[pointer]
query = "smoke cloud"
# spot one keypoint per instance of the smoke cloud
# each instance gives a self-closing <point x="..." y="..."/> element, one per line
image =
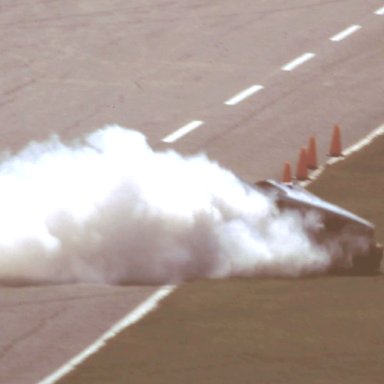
<point x="106" y="208"/>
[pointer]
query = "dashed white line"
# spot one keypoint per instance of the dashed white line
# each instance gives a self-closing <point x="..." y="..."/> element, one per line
<point x="345" y="33"/>
<point x="379" y="11"/>
<point x="131" y="318"/>
<point x="182" y="131"/>
<point x="298" y="61"/>
<point x="244" y="94"/>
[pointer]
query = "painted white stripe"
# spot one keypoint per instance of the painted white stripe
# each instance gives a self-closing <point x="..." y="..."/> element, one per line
<point x="345" y="33"/>
<point x="347" y="152"/>
<point x="380" y="11"/>
<point x="298" y="61"/>
<point x="244" y="94"/>
<point x="182" y="131"/>
<point x="364" y="142"/>
<point x="145" y="307"/>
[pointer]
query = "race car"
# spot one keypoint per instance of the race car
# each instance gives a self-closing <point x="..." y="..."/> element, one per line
<point x="348" y="238"/>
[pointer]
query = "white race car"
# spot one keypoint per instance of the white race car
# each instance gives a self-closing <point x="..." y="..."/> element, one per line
<point x="347" y="237"/>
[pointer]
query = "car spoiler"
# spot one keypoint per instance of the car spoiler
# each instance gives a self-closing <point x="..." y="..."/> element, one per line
<point x="294" y="192"/>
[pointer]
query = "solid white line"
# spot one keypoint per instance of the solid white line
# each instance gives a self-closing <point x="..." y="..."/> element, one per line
<point x="347" y="152"/>
<point x="380" y="11"/>
<point x="298" y="61"/>
<point x="365" y="141"/>
<point x="244" y="94"/>
<point x="139" y="312"/>
<point x="345" y="33"/>
<point x="182" y="131"/>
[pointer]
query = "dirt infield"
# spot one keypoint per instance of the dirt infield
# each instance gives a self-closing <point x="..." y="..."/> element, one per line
<point x="358" y="184"/>
<point x="314" y="330"/>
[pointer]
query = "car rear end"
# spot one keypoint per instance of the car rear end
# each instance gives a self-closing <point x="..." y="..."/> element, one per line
<point x="348" y="238"/>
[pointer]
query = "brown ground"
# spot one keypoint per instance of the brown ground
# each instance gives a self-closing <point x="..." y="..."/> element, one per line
<point x="358" y="184"/>
<point x="315" y="330"/>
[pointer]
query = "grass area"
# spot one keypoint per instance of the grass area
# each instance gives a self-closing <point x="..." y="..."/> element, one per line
<point x="315" y="330"/>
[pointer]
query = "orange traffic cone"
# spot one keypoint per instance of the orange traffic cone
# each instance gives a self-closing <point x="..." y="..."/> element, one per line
<point x="335" y="149"/>
<point x="302" y="166"/>
<point x="312" y="154"/>
<point x="287" y="174"/>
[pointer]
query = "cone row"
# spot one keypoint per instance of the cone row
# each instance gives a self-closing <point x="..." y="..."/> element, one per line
<point x="308" y="157"/>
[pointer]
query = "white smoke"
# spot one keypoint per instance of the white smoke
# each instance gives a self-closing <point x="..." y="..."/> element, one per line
<point x="109" y="209"/>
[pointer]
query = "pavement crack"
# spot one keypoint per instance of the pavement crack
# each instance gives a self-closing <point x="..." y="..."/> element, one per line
<point x="26" y="335"/>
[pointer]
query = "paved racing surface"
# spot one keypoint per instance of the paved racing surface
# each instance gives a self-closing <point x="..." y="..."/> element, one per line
<point x="325" y="329"/>
<point x="70" y="67"/>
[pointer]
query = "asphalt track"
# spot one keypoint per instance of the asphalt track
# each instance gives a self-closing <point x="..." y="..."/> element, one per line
<point x="69" y="68"/>
<point x="325" y="329"/>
